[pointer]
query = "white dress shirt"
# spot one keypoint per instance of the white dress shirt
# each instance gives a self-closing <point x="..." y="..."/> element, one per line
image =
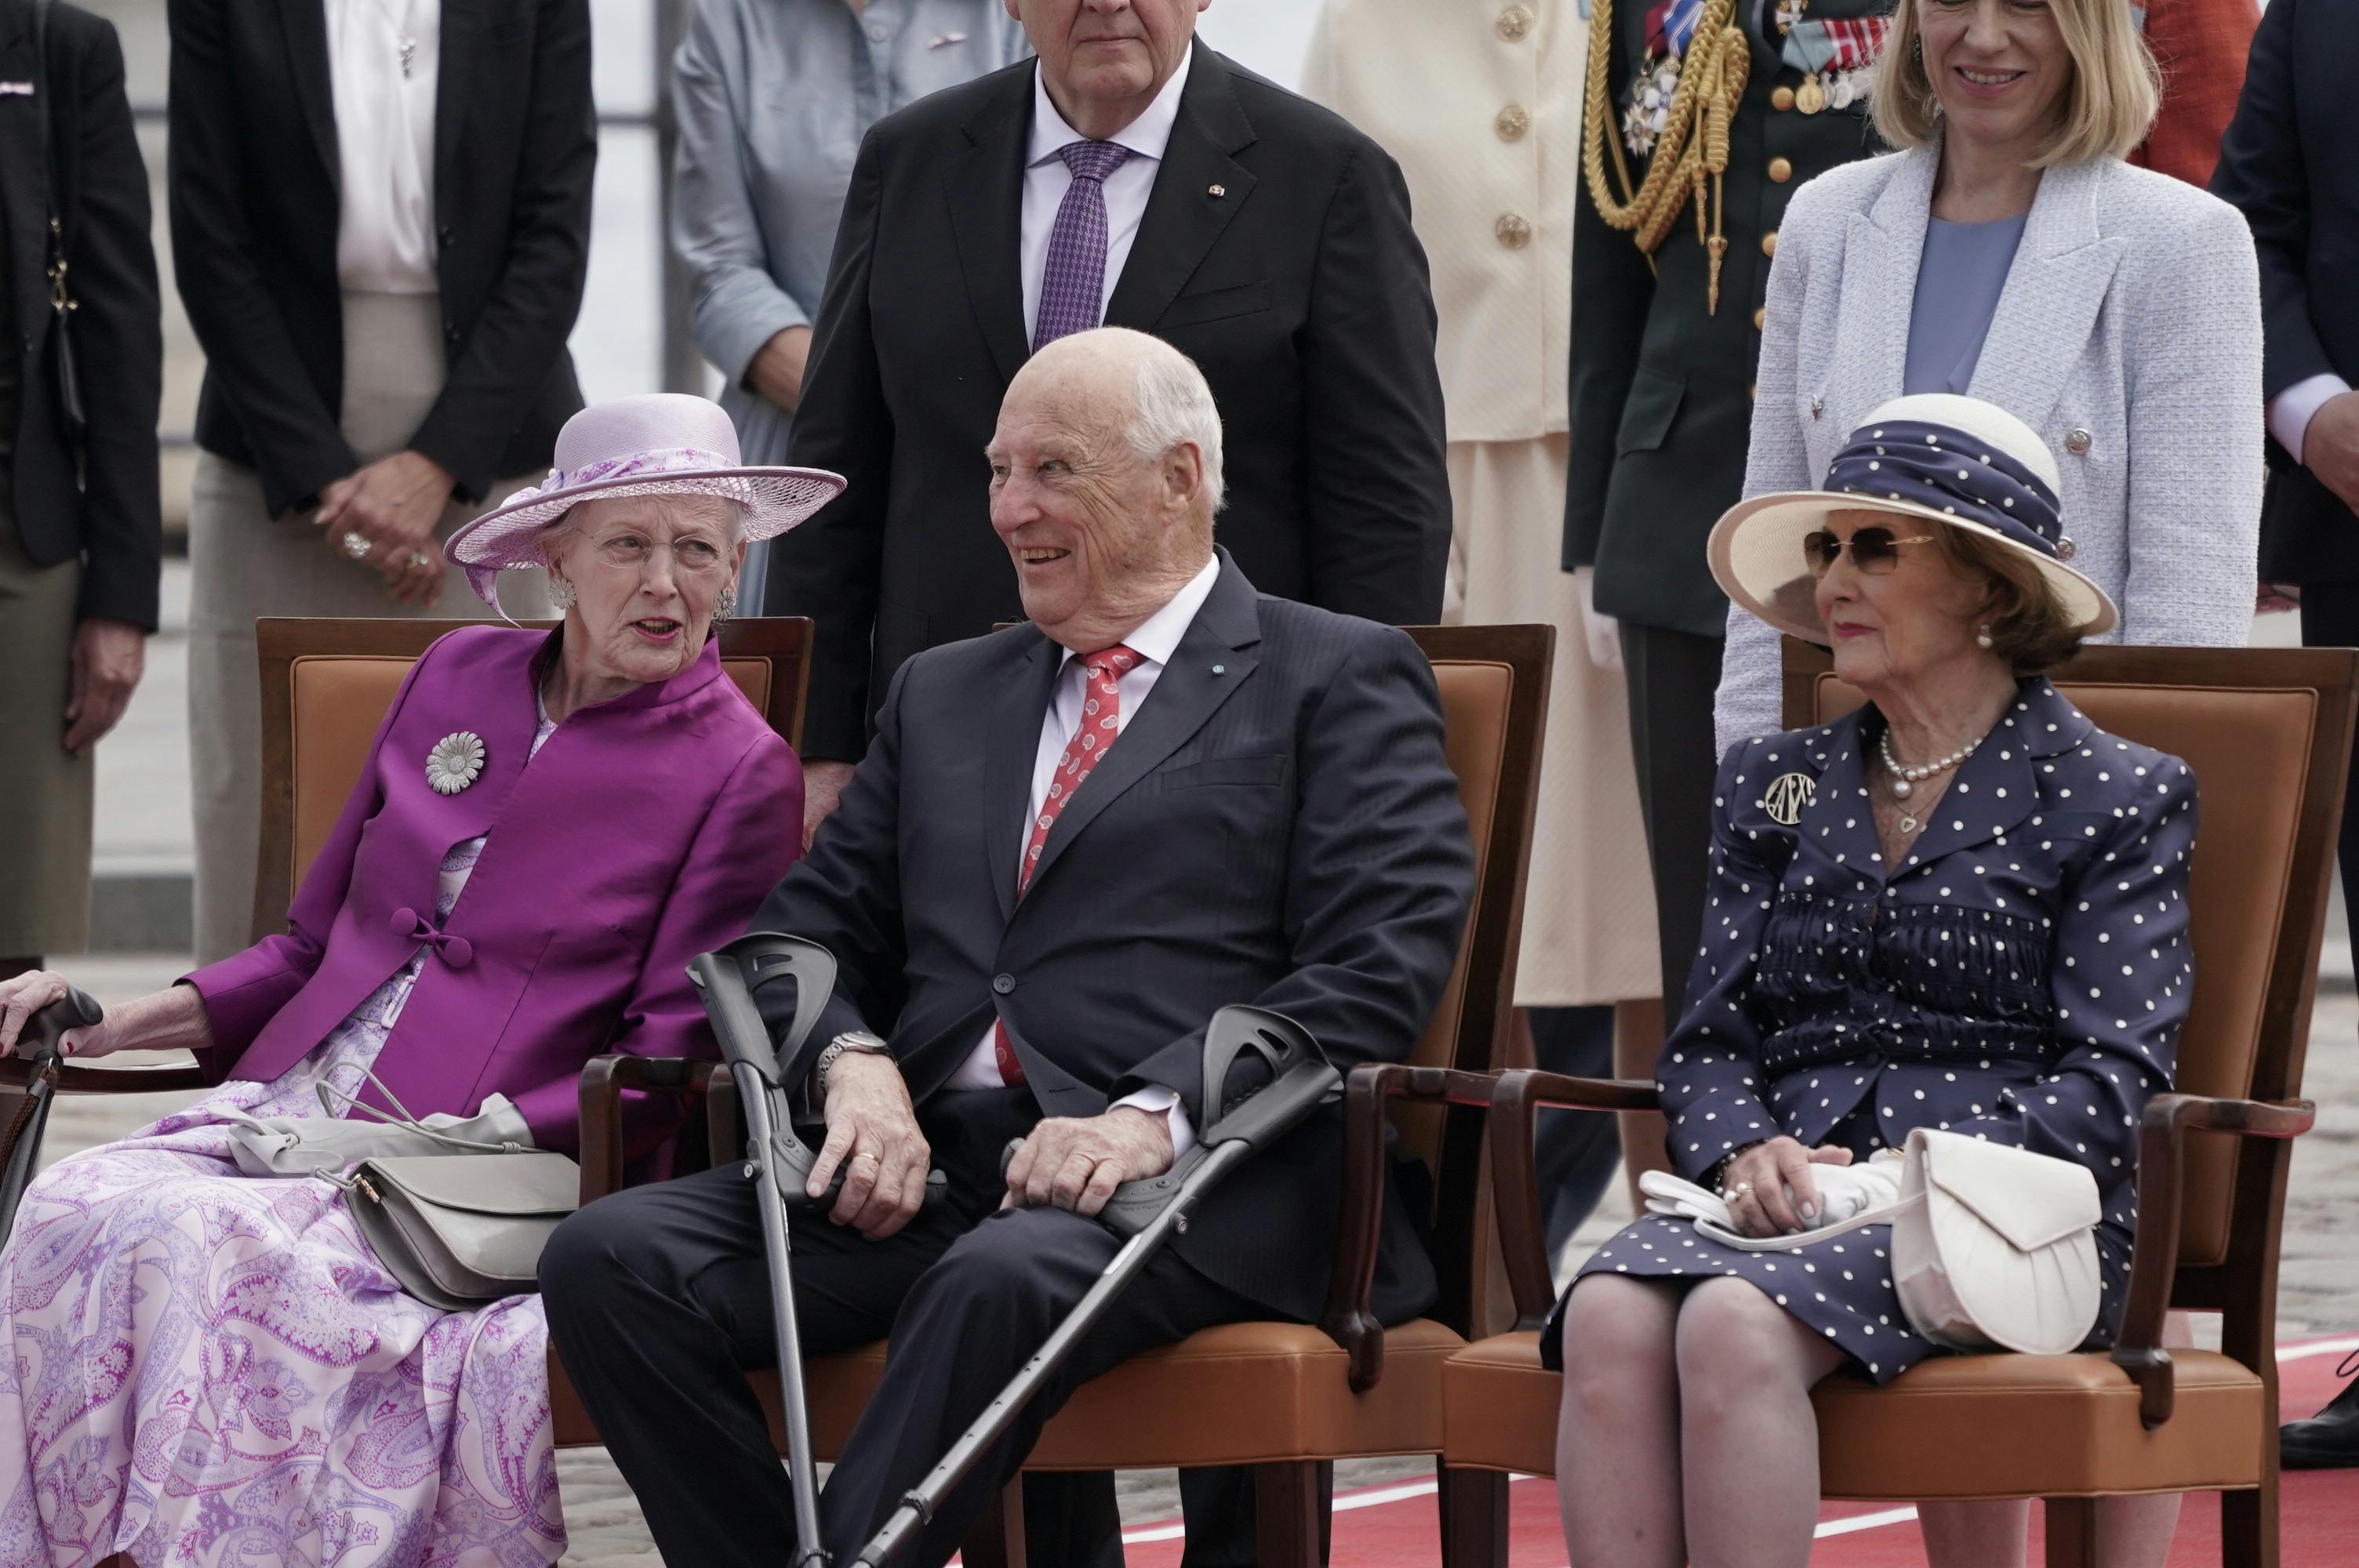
<point x="2291" y="411"/>
<point x="1046" y="179"/>
<point x="1154" y="641"/>
<point x="385" y="141"/>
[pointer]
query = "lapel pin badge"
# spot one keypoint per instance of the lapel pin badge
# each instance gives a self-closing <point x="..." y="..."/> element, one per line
<point x="1216" y="190"/>
<point x="15" y="89"/>
<point x="1220" y="669"/>
<point x="1789" y="796"/>
<point x="456" y="762"/>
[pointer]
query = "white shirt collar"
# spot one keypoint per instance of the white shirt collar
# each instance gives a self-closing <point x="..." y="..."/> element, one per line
<point x="1145" y="136"/>
<point x="1156" y="638"/>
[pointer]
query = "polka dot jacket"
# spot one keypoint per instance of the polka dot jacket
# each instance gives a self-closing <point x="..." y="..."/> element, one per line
<point x="2021" y="975"/>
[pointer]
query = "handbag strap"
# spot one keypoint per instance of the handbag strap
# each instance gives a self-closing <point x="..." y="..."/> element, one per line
<point x="329" y="1094"/>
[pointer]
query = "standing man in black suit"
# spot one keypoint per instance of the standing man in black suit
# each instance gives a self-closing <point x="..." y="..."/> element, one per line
<point x="2290" y="162"/>
<point x="381" y="226"/>
<point x="1032" y="931"/>
<point x="79" y="535"/>
<point x="1133" y="177"/>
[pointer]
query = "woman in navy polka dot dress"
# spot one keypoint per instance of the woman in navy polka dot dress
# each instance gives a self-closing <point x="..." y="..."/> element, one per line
<point x="1962" y="907"/>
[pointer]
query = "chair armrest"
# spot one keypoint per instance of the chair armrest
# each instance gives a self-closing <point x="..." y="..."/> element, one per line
<point x="1515" y="1173"/>
<point x="2154" y="1250"/>
<point x="75" y="1079"/>
<point x="604" y="1079"/>
<point x="1348" y="1320"/>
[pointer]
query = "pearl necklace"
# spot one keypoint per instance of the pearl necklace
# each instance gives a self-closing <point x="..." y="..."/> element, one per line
<point x="1905" y="779"/>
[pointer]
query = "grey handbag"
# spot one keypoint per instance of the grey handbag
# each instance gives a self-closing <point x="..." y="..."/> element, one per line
<point x="462" y="1229"/>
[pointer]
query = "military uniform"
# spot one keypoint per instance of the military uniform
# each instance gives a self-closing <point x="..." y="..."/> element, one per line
<point x="1662" y="373"/>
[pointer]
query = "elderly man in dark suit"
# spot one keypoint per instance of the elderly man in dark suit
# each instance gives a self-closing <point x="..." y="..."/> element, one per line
<point x="1072" y="842"/>
<point x="2291" y="162"/>
<point x="81" y="542"/>
<point x="1134" y="177"/>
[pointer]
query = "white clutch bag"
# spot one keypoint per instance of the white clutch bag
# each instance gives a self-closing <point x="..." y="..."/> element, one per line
<point x="1994" y="1246"/>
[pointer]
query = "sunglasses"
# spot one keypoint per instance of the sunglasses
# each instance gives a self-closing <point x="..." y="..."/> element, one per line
<point x="1873" y="551"/>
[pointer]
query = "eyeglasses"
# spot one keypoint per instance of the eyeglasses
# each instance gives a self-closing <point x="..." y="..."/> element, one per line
<point x="691" y="555"/>
<point x="1873" y="550"/>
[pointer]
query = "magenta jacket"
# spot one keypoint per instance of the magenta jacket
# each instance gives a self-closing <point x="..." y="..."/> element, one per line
<point x="646" y="832"/>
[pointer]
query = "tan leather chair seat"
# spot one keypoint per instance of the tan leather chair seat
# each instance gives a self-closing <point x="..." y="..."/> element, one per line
<point x="1956" y="1426"/>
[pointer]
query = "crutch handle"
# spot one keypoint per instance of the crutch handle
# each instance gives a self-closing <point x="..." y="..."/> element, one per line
<point x="45" y="1029"/>
<point x="796" y="1159"/>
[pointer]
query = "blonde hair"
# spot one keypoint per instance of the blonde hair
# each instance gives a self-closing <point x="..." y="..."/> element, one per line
<point x="2108" y="107"/>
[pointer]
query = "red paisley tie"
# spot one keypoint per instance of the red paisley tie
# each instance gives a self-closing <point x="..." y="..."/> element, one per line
<point x="1092" y="739"/>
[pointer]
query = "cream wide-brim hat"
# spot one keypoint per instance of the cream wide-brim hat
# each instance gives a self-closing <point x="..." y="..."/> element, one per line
<point x="662" y="443"/>
<point x="1959" y="461"/>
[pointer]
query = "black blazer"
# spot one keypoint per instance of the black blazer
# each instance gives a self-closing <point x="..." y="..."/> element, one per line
<point x="1276" y="825"/>
<point x="1299" y="288"/>
<point x="108" y="513"/>
<point x="2287" y="161"/>
<point x="254" y="203"/>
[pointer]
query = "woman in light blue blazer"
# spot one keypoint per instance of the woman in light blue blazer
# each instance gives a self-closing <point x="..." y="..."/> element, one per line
<point x="2008" y="253"/>
<point x="773" y="98"/>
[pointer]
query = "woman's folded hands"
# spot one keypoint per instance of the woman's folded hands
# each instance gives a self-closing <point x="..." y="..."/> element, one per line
<point x="1780" y="1192"/>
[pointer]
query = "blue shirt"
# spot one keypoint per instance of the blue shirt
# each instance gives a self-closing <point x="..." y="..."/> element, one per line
<point x="1959" y="279"/>
<point x="773" y="98"/>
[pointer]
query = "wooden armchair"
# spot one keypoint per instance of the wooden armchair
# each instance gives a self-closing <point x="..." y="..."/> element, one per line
<point x="1282" y="1397"/>
<point x="2268" y="734"/>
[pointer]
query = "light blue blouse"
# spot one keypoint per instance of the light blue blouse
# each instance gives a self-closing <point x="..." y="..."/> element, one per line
<point x="773" y="97"/>
<point x="1958" y="281"/>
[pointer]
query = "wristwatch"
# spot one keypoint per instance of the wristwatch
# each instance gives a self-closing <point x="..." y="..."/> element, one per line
<point x="857" y="1040"/>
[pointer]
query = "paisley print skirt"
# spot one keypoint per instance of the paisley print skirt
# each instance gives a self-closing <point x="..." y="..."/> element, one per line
<point x="208" y="1369"/>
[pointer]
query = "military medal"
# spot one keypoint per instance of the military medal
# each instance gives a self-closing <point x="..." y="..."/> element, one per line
<point x="1655" y="76"/>
<point x="1809" y="97"/>
<point x="1834" y="57"/>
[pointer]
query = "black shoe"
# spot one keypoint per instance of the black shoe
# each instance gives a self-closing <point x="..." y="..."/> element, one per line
<point x="2329" y="1440"/>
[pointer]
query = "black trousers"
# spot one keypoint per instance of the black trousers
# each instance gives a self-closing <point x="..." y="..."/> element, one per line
<point x="659" y="1302"/>
<point x="2330" y="619"/>
<point x="1671" y="678"/>
<point x="1577" y="1151"/>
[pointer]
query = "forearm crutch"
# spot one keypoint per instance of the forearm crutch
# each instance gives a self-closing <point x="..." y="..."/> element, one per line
<point x="776" y="1161"/>
<point x="20" y="1145"/>
<point x="1149" y="1213"/>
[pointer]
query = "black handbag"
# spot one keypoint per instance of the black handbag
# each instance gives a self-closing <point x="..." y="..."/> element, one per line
<point x="62" y="365"/>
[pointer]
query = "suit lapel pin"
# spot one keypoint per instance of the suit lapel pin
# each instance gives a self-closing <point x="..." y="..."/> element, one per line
<point x="1220" y="669"/>
<point x="1216" y="190"/>
<point x="15" y="89"/>
<point x="456" y="762"/>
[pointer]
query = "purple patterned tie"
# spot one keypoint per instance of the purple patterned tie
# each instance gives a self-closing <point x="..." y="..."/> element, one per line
<point x="1072" y="280"/>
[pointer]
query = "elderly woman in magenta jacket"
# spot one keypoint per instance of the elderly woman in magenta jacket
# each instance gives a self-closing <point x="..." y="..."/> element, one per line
<point x="548" y="829"/>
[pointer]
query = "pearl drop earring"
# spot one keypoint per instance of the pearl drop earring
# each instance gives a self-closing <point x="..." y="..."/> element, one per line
<point x="1983" y="637"/>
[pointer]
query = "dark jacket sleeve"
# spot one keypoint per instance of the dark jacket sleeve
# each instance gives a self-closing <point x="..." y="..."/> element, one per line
<point x="828" y="568"/>
<point x="1379" y="872"/>
<point x="845" y="895"/>
<point x="118" y="339"/>
<point x="297" y="439"/>
<point x="505" y="361"/>
<point x="2262" y="175"/>
<point x="1379" y="530"/>
<point x="1613" y="290"/>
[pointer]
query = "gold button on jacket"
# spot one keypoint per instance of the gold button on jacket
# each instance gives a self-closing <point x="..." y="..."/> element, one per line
<point x="1770" y="244"/>
<point x="1513" y="231"/>
<point x="1514" y="23"/>
<point x="1781" y="99"/>
<point x="1781" y="169"/>
<point x="1513" y="122"/>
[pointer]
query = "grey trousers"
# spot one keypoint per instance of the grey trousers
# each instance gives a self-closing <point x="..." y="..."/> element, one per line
<point x="245" y="564"/>
<point x="45" y="794"/>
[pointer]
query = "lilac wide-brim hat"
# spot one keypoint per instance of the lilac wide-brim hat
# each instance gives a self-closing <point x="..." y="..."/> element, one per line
<point x="664" y="443"/>
<point x="1958" y="462"/>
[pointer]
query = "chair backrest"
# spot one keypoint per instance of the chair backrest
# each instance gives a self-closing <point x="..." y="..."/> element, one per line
<point x="326" y="685"/>
<point x="1494" y="684"/>
<point x="2267" y="732"/>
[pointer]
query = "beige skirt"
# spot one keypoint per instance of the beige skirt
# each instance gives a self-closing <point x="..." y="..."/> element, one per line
<point x="45" y="794"/>
<point x="1589" y="911"/>
<point x="245" y="564"/>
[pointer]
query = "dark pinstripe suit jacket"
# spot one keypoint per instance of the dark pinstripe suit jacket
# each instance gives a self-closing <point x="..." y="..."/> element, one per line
<point x="1276" y="825"/>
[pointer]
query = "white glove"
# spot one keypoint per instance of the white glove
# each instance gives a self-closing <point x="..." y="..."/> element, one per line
<point x="1602" y="632"/>
<point x="1845" y="1192"/>
<point x="305" y="1145"/>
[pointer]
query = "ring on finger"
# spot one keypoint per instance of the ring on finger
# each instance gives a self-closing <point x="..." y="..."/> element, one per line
<point x="356" y="546"/>
<point x="416" y="561"/>
<point x="1741" y="1190"/>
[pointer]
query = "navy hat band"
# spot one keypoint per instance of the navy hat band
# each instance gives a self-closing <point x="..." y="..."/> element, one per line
<point x="1953" y="473"/>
